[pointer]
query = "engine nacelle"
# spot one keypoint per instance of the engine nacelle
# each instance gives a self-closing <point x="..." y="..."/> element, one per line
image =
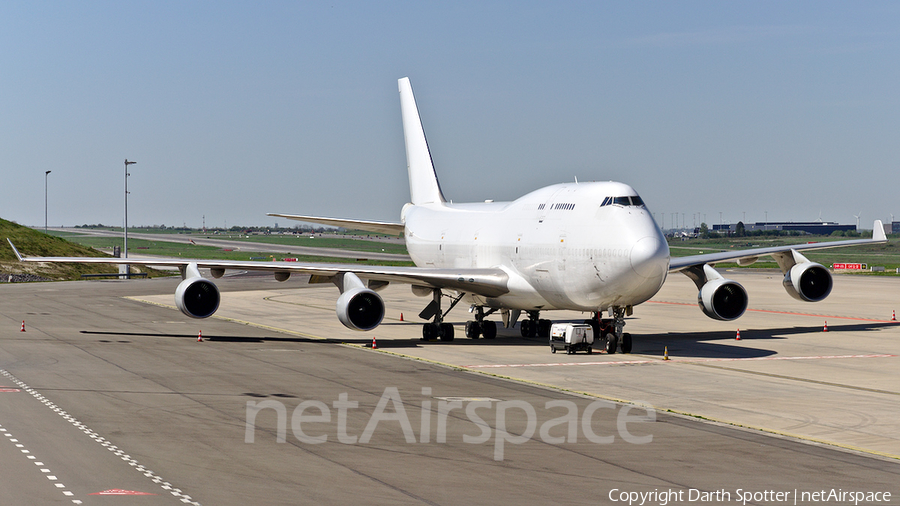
<point x="808" y="281"/>
<point x="360" y="309"/>
<point x="722" y="299"/>
<point x="197" y="297"/>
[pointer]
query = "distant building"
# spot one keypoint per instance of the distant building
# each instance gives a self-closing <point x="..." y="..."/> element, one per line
<point x="808" y="227"/>
<point x="895" y="227"/>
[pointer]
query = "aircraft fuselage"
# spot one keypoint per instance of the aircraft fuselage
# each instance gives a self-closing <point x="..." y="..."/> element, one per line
<point x="576" y="246"/>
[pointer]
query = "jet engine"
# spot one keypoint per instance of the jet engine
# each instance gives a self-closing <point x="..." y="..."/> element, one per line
<point x="197" y="297"/>
<point x="808" y="281"/>
<point x="360" y="309"/>
<point x="722" y="299"/>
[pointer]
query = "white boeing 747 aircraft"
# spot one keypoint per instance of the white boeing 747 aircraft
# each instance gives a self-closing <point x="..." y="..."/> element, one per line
<point x="591" y="247"/>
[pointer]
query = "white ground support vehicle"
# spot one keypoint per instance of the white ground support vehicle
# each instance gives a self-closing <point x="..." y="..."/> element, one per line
<point x="571" y="337"/>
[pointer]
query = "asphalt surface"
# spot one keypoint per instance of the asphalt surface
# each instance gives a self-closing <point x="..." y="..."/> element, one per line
<point x="108" y="393"/>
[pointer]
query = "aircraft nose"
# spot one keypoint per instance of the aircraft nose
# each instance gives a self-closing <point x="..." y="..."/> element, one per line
<point x="649" y="257"/>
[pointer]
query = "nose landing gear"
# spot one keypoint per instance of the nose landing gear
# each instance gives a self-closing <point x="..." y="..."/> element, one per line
<point x="610" y="331"/>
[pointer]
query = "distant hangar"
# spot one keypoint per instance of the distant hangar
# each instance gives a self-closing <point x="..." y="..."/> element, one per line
<point x="809" y="227"/>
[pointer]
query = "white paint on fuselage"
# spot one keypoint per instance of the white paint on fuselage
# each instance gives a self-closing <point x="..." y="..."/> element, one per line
<point x="560" y="247"/>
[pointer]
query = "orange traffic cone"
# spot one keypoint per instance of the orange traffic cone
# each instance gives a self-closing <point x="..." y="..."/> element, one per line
<point x="893" y="316"/>
<point x="374" y="344"/>
<point x="666" y="354"/>
<point x="23" y="326"/>
<point x="401" y="317"/>
<point x="200" y="336"/>
<point x="826" y="326"/>
<point x="738" y="336"/>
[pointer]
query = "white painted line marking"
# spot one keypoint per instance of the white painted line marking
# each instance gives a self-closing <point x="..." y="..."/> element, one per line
<point x="96" y="437"/>
<point x="681" y="361"/>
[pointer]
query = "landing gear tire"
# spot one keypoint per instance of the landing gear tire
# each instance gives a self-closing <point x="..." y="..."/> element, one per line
<point x="527" y="328"/>
<point x="489" y="330"/>
<point x="544" y="328"/>
<point x="473" y="329"/>
<point x="570" y="351"/>
<point x="626" y="343"/>
<point x="446" y="332"/>
<point x="611" y="341"/>
<point x="429" y="332"/>
<point x="590" y="350"/>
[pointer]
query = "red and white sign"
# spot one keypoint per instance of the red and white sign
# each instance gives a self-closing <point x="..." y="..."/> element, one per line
<point x="118" y="491"/>
<point x="288" y="259"/>
<point x="856" y="267"/>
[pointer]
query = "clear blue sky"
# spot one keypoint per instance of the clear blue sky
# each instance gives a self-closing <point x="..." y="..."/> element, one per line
<point x="235" y="109"/>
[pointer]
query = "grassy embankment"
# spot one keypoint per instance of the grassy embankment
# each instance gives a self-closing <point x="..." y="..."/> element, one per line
<point x="34" y="243"/>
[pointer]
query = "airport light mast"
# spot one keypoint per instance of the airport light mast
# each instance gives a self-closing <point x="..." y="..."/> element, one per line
<point x="125" y="247"/>
<point x="46" y="173"/>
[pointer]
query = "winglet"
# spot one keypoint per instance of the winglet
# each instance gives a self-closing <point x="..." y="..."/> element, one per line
<point x="878" y="231"/>
<point x="18" y="255"/>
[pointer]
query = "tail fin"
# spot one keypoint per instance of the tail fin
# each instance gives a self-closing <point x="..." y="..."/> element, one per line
<point x="877" y="231"/>
<point x="423" y="183"/>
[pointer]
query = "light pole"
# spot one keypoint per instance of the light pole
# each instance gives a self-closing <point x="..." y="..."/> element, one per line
<point x="125" y="247"/>
<point x="47" y="173"/>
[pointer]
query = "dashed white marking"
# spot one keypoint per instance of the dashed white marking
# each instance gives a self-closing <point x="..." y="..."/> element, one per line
<point x="44" y="470"/>
<point x="96" y="437"/>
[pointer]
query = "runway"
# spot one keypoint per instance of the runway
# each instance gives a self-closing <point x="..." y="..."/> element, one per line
<point x="109" y="393"/>
<point x="261" y="247"/>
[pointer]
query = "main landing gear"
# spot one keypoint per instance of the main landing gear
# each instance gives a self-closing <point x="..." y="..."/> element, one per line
<point x="480" y="327"/>
<point x="534" y="326"/>
<point x="437" y="329"/>
<point x="609" y="331"/>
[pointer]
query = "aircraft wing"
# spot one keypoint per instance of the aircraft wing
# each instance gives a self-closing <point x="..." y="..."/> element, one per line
<point x="747" y="256"/>
<point x="380" y="227"/>
<point x="486" y="282"/>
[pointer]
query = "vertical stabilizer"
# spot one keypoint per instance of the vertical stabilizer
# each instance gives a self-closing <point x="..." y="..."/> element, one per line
<point x="423" y="183"/>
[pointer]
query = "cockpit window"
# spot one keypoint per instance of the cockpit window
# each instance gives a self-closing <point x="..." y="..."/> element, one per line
<point x="623" y="201"/>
